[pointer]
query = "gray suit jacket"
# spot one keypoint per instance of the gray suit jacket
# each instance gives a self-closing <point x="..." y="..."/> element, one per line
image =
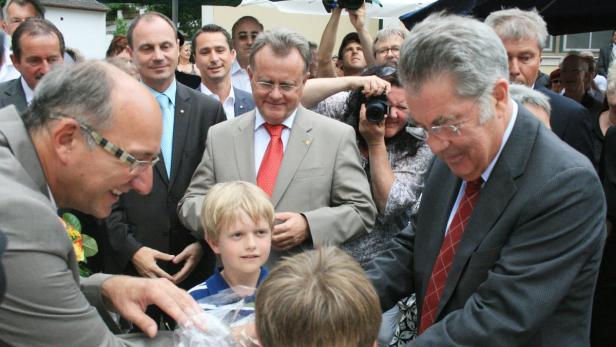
<point x="525" y="269"/>
<point x="320" y="176"/>
<point x="45" y="303"/>
<point x="12" y="93"/>
<point x="243" y="102"/>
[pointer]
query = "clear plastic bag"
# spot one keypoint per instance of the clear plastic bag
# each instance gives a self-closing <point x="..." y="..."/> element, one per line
<point x="229" y="318"/>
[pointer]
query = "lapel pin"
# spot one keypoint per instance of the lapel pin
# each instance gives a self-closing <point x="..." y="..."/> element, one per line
<point x="181" y="110"/>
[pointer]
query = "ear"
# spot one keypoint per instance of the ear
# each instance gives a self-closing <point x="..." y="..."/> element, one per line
<point x="249" y="70"/>
<point x="213" y="244"/>
<point x="130" y="52"/>
<point x="65" y="139"/>
<point x="14" y="60"/>
<point x="501" y="95"/>
<point x="233" y="53"/>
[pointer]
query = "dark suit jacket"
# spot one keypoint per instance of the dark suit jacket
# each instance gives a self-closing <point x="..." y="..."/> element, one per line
<point x="526" y="266"/>
<point x="243" y="102"/>
<point x="152" y="220"/>
<point x="12" y="93"/>
<point x="571" y="122"/>
<point x="605" y="59"/>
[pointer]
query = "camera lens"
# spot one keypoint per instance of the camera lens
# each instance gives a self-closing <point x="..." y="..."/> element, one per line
<point x="376" y="107"/>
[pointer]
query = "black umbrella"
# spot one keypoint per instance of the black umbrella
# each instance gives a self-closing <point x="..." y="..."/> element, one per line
<point x="562" y="16"/>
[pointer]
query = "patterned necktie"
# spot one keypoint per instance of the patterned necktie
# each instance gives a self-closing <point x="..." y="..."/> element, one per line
<point x="268" y="171"/>
<point x="446" y="254"/>
<point x="166" y="143"/>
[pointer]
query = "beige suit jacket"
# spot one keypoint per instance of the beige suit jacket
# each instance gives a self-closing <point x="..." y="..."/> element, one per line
<point x="320" y="176"/>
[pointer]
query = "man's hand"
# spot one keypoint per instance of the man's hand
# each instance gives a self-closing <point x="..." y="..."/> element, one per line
<point x="358" y="17"/>
<point x="191" y="255"/>
<point x="130" y="296"/>
<point x="144" y="261"/>
<point x="292" y="231"/>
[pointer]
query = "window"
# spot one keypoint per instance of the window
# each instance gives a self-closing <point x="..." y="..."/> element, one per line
<point x="586" y="41"/>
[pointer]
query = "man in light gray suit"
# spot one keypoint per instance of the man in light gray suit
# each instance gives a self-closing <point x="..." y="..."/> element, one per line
<point x="214" y="57"/>
<point x="37" y="46"/>
<point x="506" y="245"/>
<point x="320" y="191"/>
<point x="80" y="145"/>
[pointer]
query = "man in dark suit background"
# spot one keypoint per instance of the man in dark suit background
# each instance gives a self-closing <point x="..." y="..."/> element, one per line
<point x="506" y="245"/>
<point x="524" y="34"/>
<point x="145" y="234"/>
<point x="214" y="58"/>
<point x="37" y="46"/>
<point x="606" y="56"/>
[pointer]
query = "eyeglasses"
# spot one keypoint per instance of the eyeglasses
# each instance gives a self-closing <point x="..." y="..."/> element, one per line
<point x="269" y="86"/>
<point x="441" y="131"/>
<point x="136" y="166"/>
<point x="386" y="50"/>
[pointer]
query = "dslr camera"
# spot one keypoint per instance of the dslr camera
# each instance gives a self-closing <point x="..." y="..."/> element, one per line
<point x="376" y="108"/>
<point x="348" y="4"/>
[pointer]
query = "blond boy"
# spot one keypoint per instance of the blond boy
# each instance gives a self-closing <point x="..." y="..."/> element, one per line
<point x="317" y="298"/>
<point x="237" y="218"/>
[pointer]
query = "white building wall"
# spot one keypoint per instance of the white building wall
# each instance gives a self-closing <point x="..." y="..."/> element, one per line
<point x="83" y="30"/>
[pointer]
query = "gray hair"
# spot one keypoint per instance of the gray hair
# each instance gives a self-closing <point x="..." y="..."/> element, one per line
<point x="611" y="79"/>
<point x="525" y="95"/>
<point x="81" y="91"/>
<point x="386" y="33"/>
<point x="515" y="24"/>
<point x="281" y="41"/>
<point x="38" y="7"/>
<point x="463" y="48"/>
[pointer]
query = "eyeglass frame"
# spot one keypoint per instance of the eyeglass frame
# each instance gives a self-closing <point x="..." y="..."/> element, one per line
<point x="136" y="166"/>
<point x="283" y="87"/>
<point x="385" y="50"/>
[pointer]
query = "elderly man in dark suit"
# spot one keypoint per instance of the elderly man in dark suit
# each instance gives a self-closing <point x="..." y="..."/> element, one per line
<point x="214" y="58"/>
<point x="507" y="241"/>
<point x="37" y="46"/>
<point x="606" y="56"/>
<point x="145" y="234"/>
<point x="524" y="34"/>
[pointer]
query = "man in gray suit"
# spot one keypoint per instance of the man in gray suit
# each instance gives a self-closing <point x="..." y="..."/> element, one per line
<point x="214" y="57"/>
<point x="316" y="183"/>
<point x="506" y="245"/>
<point x="81" y="144"/>
<point x="37" y="46"/>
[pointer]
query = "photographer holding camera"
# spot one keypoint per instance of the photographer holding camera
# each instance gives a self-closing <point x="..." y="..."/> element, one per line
<point x="395" y="161"/>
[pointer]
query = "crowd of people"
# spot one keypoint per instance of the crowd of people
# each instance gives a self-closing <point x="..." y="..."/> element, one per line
<point x="422" y="188"/>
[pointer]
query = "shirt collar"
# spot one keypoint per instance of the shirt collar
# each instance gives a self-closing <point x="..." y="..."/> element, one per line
<point x="514" y="114"/>
<point x="205" y="90"/>
<point x="169" y="92"/>
<point x="28" y="92"/>
<point x="259" y="121"/>
<point x="235" y="67"/>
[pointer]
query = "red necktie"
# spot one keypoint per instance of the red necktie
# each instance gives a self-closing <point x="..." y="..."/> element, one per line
<point x="268" y="171"/>
<point x="447" y="253"/>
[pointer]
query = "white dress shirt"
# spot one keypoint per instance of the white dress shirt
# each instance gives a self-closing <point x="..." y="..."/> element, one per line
<point x="28" y="92"/>
<point x="228" y="105"/>
<point x="240" y="78"/>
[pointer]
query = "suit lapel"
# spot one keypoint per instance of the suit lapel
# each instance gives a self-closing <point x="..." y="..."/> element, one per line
<point x="297" y="147"/>
<point x="181" y="122"/>
<point x="16" y="95"/>
<point x="494" y="197"/>
<point x="244" y="143"/>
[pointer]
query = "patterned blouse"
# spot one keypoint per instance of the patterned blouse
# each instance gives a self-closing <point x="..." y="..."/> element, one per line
<point x="409" y="172"/>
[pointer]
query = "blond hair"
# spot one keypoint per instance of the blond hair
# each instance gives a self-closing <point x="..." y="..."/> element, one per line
<point x="317" y="298"/>
<point x="226" y="203"/>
